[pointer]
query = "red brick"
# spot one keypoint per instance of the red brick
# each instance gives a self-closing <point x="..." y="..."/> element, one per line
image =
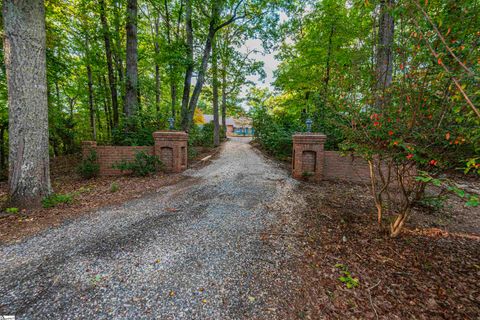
<point x="309" y="157"/>
<point x="173" y="144"/>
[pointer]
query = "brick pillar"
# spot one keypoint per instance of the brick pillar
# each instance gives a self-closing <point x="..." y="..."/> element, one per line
<point x="308" y="155"/>
<point x="171" y="148"/>
<point x="87" y="147"/>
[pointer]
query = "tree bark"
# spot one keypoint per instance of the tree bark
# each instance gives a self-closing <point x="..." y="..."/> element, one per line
<point x="2" y="147"/>
<point x="224" y="101"/>
<point x="90" y="103"/>
<point x="189" y="71"/>
<point x="131" y="83"/>
<point x="216" y="125"/>
<point x="157" y="68"/>
<point x="326" y="80"/>
<point x="25" y="61"/>
<point x="90" y="90"/>
<point x="173" y="93"/>
<point x="108" y="53"/>
<point x="384" y="65"/>
<point x="118" y="50"/>
<point x="106" y="105"/>
<point x="173" y="84"/>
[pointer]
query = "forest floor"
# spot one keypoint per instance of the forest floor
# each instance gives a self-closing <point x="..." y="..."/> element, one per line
<point x="87" y="195"/>
<point x="239" y="239"/>
<point x="430" y="271"/>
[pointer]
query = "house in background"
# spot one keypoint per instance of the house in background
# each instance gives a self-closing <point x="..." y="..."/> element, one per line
<point x="243" y="126"/>
<point x="235" y="126"/>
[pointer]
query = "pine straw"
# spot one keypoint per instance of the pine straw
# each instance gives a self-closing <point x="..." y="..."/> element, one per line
<point x="426" y="273"/>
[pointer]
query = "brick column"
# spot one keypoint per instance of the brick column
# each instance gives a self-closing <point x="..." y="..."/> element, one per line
<point x="171" y="148"/>
<point x="308" y="155"/>
<point x="87" y="147"/>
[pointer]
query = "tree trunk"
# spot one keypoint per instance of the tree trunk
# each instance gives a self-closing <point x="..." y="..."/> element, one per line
<point x="216" y="125"/>
<point x="157" y="68"/>
<point x="203" y="69"/>
<point x="25" y="61"/>
<point x="108" y="52"/>
<point x="201" y="76"/>
<point x="212" y="30"/>
<point x="189" y="71"/>
<point x="384" y="67"/>
<point x="105" y="102"/>
<point x="327" y="67"/>
<point x="173" y="84"/>
<point x="131" y="83"/>
<point x="224" y="100"/>
<point x="90" y="90"/>
<point x="2" y="148"/>
<point x="173" y="93"/>
<point x="118" y="49"/>
<point x="90" y="103"/>
<point x="107" y="105"/>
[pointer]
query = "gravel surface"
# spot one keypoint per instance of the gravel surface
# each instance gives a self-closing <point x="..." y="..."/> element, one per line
<point x="193" y="250"/>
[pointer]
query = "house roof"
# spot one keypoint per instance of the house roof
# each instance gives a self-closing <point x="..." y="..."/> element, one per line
<point x="209" y="118"/>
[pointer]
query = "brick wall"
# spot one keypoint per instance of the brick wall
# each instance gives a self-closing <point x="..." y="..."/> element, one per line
<point x="346" y="168"/>
<point x="170" y="147"/>
<point x="309" y="161"/>
<point x="110" y="155"/>
<point x="310" y="158"/>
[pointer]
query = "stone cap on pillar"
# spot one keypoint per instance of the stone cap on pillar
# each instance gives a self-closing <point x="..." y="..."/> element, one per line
<point x="309" y="137"/>
<point x="170" y="135"/>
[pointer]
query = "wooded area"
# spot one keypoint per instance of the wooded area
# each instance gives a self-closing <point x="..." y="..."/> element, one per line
<point x="114" y="72"/>
<point x="396" y="83"/>
<point x="125" y="201"/>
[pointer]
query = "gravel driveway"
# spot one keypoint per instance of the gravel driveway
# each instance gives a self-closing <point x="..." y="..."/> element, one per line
<point x="193" y="250"/>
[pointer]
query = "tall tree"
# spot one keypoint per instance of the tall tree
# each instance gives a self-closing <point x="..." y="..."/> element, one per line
<point x="118" y="52"/>
<point x="215" y="84"/>
<point x="189" y="70"/>
<point x="131" y="83"/>
<point x="214" y="25"/>
<point x="90" y="100"/>
<point x="108" y="53"/>
<point x="25" y="61"/>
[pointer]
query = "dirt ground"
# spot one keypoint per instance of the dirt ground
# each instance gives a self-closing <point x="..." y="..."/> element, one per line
<point x="426" y="273"/>
<point x="430" y="271"/>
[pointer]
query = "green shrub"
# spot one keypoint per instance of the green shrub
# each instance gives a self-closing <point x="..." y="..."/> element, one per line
<point x="137" y="130"/>
<point x="143" y="165"/>
<point x="12" y="210"/>
<point x="114" y="187"/>
<point x="54" y="199"/>
<point x="202" y="136"/>
<point x="89" y="167"/>
<point x="274" y="134"/>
